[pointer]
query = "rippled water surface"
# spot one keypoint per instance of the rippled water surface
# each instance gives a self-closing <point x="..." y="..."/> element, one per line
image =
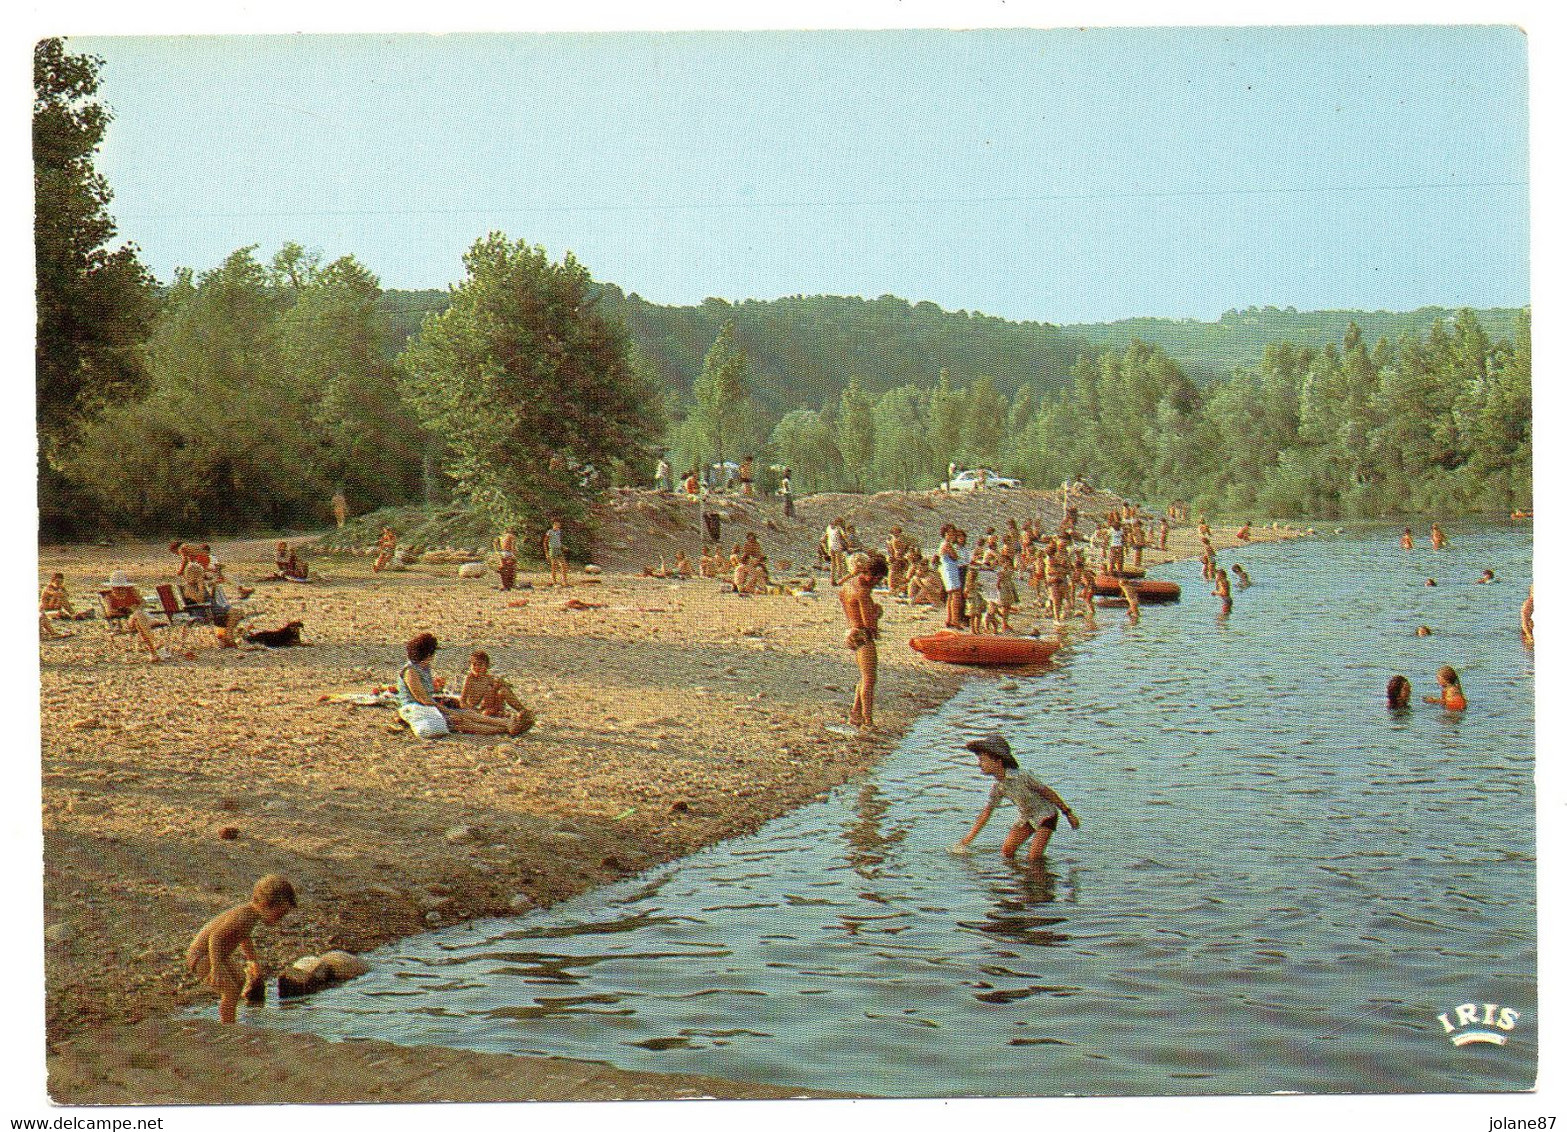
<point x="1278" y="884"/>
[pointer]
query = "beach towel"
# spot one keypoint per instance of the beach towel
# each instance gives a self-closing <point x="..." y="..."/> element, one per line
<point x="423" y="720"/>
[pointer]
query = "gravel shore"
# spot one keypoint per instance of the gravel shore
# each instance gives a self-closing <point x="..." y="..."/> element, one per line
<point x="671" y="716"/>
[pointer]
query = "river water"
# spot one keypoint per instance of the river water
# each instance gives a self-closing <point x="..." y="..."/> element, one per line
<point x="1278" y="885"/>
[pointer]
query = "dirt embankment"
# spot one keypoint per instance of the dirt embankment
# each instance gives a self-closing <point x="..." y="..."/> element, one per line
<point x="671" y="715"/>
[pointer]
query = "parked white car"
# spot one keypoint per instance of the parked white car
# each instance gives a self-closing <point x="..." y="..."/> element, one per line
<point x="974" y="478"/>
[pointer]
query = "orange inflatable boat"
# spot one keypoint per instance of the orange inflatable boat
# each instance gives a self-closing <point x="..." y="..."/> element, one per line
<point x="974" y="648"/>
<point x="1148" y="589"/>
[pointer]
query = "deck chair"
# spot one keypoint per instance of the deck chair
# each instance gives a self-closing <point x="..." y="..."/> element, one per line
<point x="118" y="626"/>
<point x="174" y="613"/>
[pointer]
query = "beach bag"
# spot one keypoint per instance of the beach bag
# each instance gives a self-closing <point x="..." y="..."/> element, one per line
<point x="424" y="720"/>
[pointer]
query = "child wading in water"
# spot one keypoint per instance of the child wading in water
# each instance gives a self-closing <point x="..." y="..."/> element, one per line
<point x="209" y="953"/>
<point x="1039" y="807"/>
<point x="1452" y="697"/>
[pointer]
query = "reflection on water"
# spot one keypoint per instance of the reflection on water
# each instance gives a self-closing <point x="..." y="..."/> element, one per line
<point x="1278" y="884"/>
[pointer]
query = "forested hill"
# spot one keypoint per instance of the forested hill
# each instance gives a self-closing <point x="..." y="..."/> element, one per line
<point x="1209" y="350"/>
<point x="804" y="348"/>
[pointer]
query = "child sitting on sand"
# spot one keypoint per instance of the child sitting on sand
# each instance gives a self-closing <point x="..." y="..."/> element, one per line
<point x="208" y="954"/>
<point x="709" y="565"/>
<point x="289" y="567"/>
<point x="490" y="694"/>
<point x="1039" y="807"/>
<point x="1452" y="697"/>
<point x="683" y="565"/>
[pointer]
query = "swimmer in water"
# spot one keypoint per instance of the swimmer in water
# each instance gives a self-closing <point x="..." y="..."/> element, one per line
<point x="1407" y="540"/>
<point x="1452" y="697"/>
<point x="1399" y="690"/>
<point x="1430" y="581"/>
<point x="1242" y="579"/>
<point x="1423" y="631"/>
<point x="1438" y="537"/>
<point x="1486" y="578"/>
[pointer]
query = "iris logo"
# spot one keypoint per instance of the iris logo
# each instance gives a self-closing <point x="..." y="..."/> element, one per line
<point x="1479" y="1023"/>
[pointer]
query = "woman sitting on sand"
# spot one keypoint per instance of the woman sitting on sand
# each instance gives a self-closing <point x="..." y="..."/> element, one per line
<point x="417" y="684"/>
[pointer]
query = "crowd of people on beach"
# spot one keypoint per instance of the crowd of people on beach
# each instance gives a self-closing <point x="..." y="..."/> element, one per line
<point x="980" y="583"/>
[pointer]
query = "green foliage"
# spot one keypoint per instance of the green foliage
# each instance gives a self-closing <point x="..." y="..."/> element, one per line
<point x="95" y="303"/>
<point x="856" y="433"/>
<point x="529" y="385"/>
<point x="722" y="395"/>
<point x="268" y="387"/>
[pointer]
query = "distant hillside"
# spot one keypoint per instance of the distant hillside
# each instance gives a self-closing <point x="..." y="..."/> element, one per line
<point x="1207" y="350"/>
<point x="804" y="348"/>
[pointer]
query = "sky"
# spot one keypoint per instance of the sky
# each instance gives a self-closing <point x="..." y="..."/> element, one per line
<point x="1062" y="175"/>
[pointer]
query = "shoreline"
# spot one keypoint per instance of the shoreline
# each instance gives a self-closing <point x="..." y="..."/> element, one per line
<point x="673" y="718"/>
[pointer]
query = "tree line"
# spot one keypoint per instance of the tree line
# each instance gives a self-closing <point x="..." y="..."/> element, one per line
<point x="1439" y="422"/>
<point x="242" y="397"/>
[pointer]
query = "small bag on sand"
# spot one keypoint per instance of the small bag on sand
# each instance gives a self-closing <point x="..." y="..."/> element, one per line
<point x="425" y="721"/>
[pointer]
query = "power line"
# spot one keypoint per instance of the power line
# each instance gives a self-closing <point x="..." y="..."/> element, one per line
<point x="892" y="202"/>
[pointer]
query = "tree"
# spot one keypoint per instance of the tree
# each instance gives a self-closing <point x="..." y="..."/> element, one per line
<point x="529" y="384"/>
<point x="856" y="432"/>
<point x="333" y="341"/>
<point x="902" y="457"/>
<point x="95" y="304"/>
<point x="722" y="391"/>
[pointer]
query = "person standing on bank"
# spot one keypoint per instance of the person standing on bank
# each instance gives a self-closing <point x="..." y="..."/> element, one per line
<point x="1039" y="807"/>
<point x="786" y="493"/>
<point x="866" y="572"/>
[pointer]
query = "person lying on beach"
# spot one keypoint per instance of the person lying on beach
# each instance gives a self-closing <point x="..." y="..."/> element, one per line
<point x="1486" y="578"/>
<point x="123" y="602"/>
<point x="209" y="954"/>
<point x="490" y="694"/>
<point x="416" y="684"/>
<point x="1399" y="690"/>
<point x="1039" y="807"/>
<point x="1242" y="579"/>
<point x="1452" y="697"/>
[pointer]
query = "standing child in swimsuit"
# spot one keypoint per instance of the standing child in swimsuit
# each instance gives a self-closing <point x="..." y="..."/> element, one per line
<point x="1039" y="807"/>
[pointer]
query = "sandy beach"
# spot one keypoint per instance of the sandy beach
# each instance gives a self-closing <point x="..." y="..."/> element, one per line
<point x="671" y="716"/>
